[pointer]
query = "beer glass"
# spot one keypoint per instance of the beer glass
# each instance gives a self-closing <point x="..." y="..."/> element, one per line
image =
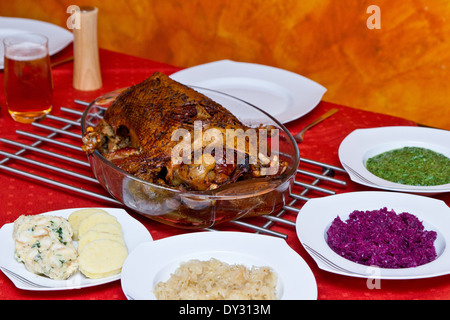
<point x="28" y="79"/>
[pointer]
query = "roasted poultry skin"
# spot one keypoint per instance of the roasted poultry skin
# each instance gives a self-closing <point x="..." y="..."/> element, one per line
<point x="136" y="135"/>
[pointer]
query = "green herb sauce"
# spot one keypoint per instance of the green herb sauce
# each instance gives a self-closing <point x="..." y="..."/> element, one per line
<point x="411" y="166"/>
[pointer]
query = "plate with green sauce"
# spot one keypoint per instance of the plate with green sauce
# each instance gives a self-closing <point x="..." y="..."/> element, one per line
<point x="408" y="159"/>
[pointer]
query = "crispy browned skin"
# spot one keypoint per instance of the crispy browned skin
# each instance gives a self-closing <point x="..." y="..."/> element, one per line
<point x="155" y="107"/>
<point x="138" y="126"/>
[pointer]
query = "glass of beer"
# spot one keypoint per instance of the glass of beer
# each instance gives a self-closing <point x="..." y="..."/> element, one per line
<point x="28" y="81"/>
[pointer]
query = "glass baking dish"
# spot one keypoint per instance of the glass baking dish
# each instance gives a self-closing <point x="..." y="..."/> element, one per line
<point x="199" y="209"/>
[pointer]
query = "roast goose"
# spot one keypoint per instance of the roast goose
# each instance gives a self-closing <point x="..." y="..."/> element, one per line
<point x="136" y="135"/>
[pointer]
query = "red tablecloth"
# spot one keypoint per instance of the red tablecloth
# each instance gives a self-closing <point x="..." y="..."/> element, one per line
<point x="21" y="195"/>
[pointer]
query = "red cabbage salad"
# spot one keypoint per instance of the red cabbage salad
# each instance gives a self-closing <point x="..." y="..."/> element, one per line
<point x="382" y="238"/>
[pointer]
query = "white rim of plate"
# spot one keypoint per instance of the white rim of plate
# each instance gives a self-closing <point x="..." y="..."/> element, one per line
<point x="22" y="25"/>
<point x="283" y="94"/>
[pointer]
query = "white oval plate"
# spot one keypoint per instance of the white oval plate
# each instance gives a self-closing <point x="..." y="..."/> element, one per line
<point x="155" y="261"/>
<point x="284" y="95"/>
<point x="316" y="216"/>
<point x="58" y="37"/>
<point x="133" y="231"/>
<point x="363" y="144"/>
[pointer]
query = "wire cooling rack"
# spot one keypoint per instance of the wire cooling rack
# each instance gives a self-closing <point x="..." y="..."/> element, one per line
<point x="51" y="153"/>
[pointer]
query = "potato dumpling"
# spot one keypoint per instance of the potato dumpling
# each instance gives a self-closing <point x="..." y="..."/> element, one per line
<point x="76" y="217"/>
<point x="102" y="258"/>
<point x="101" y="245"/>
<point x="94" y="219"/>
<point x="93" y="235"/>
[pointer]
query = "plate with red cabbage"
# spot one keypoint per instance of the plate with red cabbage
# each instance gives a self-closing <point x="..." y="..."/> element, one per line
<point x="377" y="234"/>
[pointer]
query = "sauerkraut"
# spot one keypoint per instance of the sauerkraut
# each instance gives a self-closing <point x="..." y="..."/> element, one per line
<point x="217" y="280"/>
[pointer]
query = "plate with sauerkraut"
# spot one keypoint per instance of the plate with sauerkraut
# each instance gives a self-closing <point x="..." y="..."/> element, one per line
<point x="220" y="265"/>
<point x="377" y="234"/>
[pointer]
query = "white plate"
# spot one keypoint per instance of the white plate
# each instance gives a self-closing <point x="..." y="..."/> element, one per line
<point x="363" y="144"/>
<point x="283" y="94"/>
<point x="133" y="231"/>
<point x="317" y="215"/>
<point x="58" y="37"/>
<point x="153" y="262"/>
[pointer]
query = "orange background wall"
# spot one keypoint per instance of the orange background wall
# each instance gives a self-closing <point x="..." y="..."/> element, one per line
<point x="401" y="69"/>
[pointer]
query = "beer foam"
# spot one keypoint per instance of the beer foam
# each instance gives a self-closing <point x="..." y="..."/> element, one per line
<point x="26" y="51"/>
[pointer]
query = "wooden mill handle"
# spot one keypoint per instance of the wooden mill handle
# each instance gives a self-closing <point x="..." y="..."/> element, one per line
<point x="86" y="72"/>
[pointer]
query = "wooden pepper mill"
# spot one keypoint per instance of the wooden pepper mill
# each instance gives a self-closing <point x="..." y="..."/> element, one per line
<point x="86" y="70"/>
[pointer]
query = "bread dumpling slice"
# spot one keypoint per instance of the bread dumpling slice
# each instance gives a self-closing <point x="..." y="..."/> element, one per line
<point x="102" y="258"/>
